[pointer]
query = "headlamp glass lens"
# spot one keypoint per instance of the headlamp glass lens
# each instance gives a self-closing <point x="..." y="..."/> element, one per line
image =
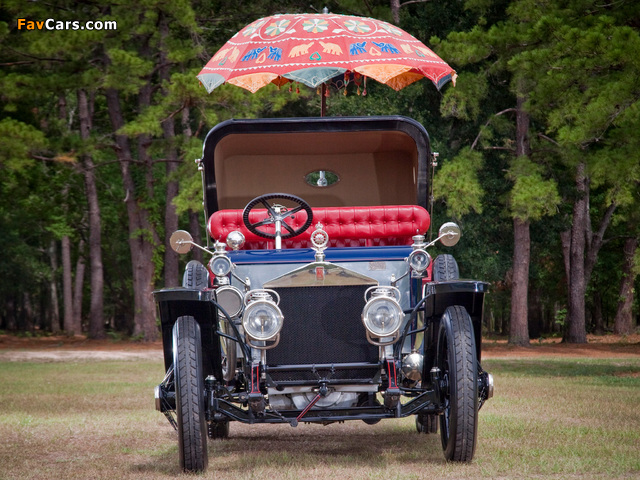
<point x="382" y="317"/>
<point x="220" y="266"/>
<point x="262" y="321"/>
<point x="419" y="260"/>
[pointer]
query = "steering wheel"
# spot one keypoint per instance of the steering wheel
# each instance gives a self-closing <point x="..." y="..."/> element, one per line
<point x="277" y="215"/>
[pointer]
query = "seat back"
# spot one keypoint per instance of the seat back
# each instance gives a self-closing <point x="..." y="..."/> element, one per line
<point x="346" y="226"/>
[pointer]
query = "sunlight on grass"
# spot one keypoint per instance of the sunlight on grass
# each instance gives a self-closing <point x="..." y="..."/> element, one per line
<point x="549" y="418"/>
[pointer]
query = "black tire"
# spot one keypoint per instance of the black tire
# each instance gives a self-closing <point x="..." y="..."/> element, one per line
<point x="427" y="423"/>
<point x="195" y="276"/>
<point x="189" y="384"/>
<point x="445" y="268"/>
<point x="456" y="359"/>
<point x="219" y="430"/>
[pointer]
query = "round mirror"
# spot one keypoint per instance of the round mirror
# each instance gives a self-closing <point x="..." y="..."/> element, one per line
<point x="181" y="241"/>
<point x="449" y="234"/>
<point x="321" y="178"/>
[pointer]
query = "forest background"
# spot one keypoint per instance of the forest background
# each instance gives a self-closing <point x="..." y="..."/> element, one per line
<point x="538" y="146"/>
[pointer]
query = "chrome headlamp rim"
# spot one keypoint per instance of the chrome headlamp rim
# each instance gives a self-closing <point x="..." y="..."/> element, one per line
<point x="218" y="259"/>
<point x="414" y="264"/>
<point x="246" y="317"/>
<point x="256" y="299"/>
<point x="385" y="331"/>
<point x="226" y="290"/>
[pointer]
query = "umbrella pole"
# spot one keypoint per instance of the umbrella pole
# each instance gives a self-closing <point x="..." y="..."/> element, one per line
<point x="323" y="101"/>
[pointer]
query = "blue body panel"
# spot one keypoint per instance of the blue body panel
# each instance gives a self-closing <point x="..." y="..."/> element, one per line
<point x="307" y="255"/>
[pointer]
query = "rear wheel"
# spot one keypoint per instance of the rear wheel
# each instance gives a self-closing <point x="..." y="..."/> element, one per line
<point x="456" y="359"/>
<point x="195" y="276"/>
<point x="189" y="384"/>
<point x="219" y="430"/>
<point x="445" y="268"/>
<point x="427" y="423"/>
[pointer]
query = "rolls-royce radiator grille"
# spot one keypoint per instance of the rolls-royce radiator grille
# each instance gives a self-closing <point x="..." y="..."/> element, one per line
<point x="322" y="325"/>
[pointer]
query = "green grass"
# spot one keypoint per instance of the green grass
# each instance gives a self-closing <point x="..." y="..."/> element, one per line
<point x="549" y="419"/>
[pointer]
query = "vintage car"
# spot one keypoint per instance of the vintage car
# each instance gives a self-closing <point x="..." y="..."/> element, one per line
<point x="319" y="302"/>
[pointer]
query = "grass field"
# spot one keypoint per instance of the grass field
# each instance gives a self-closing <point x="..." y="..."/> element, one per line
<point x="550" y="418"/>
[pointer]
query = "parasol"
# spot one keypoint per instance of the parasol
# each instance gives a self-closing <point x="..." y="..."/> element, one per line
<point x="314" y="49"/>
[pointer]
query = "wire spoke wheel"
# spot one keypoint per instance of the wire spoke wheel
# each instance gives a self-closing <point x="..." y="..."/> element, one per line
<point x="456" y="359"/>
<point x="228" y="350"/>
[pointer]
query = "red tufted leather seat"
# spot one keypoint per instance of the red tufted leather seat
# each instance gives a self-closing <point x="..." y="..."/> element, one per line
<point x="346" y="226"/>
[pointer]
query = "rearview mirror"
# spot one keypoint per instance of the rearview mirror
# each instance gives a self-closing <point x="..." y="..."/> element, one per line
<point x="181" y="241"/>
<point x="449" y="234"/>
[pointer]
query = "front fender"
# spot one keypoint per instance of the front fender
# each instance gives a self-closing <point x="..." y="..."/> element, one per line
<point x="440" y="295"/>
<point x="177" y="302"/>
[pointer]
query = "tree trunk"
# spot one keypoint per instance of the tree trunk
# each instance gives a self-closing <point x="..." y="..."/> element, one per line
<point x="26" y="316"/>
<point x="54" y="324"/>
<point x="171" y="260"/>
<point x="142" y="237"/>
<point x="565" y="240"/>
<point x="595" y="240"/>
<point x="596" y="315"/>
<point x="78" y="288"/>
<point x="194" y="228"/>
<point x="96" y="315"/>
<point x="194" y="217"/>
<point x="519" y="330"/>
<point x="623" y="323"/>
<point x="395" y="11"/>
<point x="576" y="330"/>
<point x="67" y="287"/>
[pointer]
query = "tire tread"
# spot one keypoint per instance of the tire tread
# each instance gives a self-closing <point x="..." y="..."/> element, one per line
<point x="459" y="444"/>
<point x="445" y="268"/>
<point x="195" y="276"/>
<point x="189" y="388"/>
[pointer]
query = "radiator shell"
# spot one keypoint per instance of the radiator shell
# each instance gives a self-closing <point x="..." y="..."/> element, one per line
<point x="322" y="325"/>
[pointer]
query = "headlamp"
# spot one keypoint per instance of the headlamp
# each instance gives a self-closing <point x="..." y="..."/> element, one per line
<point x="419" y="261"/>
<point x="230" y="298"/>
<point x="220" y="265"/>
<point x="382" y="315"/>
<point x="262" y="319"/>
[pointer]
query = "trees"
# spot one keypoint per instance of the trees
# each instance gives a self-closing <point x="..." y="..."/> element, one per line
<point x="100" y="130"/>
<point x="563" y="62"/>
<point x="586" y="90"/>
<point x="492" y="53"/>
<point x="110" y="97"/>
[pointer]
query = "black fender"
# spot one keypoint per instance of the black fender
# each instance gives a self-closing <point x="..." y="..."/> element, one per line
<point x="440" y="295"/>
<point x="199" y="304"/>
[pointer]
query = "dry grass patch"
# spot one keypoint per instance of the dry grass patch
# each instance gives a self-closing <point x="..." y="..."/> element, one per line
<point x="551" y="419"/>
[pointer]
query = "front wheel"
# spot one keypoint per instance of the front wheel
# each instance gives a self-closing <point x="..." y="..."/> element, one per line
<point x="189" y="384"/>
<point x="456" y="359"/>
